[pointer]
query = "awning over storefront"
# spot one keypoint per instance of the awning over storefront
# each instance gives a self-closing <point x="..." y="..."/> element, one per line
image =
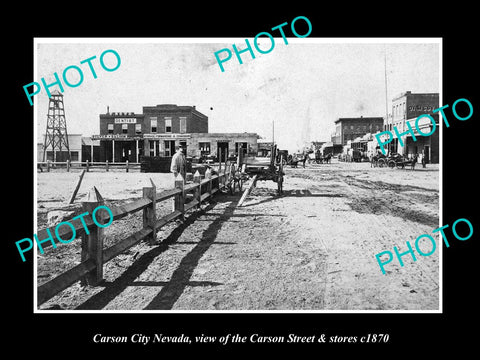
<point x="121" y="137"/>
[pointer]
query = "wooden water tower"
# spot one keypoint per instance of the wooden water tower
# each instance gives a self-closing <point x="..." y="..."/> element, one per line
<point x="56" y="137"/>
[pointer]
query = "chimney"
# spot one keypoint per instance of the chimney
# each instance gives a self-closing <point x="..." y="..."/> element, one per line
<point x="108" y="109"/>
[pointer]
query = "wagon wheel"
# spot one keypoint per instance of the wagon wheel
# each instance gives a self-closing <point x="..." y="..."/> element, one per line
<point x="391" y="164"/>
<point x="381" y="162"/>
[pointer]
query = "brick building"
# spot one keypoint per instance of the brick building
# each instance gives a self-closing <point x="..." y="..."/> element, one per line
<point x="156" y="132"/>
<point x="166" y="126"/>
<point x="406" y="107"/>
<point x="350" y="128"/>
<point x="120" y="137"/>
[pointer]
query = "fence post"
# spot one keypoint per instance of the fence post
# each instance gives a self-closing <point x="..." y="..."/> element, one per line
<point x="179" y="201"/>
<point x="92" y="244"/>
<point x="149" y="213"/>
<point x="68" y="165"/>
<point x="88" y="166"/>
<point x="48" y="165"/>
<point x="127" y="169"/>
<point x="106" y="165"/>
<point x="77" y="187"/>
<point x="197" y="179"/>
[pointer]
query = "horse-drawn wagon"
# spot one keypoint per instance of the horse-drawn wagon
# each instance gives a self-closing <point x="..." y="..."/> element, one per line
<point x="393" y="160"/>
<point x="256" y="169"/>
<point x="400" y="162"/>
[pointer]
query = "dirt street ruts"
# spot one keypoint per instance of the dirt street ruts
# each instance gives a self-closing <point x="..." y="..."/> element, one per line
<point x="313" y="248"/>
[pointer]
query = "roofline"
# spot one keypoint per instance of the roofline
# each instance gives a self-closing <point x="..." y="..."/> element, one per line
<point x="173" y="107"/>
<point x="409" y="93"/>
<point x="125" y="114"/>
<point x="359" y="118"/>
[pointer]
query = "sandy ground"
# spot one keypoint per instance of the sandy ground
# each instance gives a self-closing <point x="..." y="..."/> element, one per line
<point x="313" y="248"/>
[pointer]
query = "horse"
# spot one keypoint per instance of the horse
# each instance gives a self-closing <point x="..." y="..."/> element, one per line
<point x="413" y="162"/>
<point x="328" y="158"/>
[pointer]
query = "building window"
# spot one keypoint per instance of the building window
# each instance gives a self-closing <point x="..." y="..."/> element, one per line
<point x="183" y="125"/>
<point x="110" y="128"/>
<point x="124" y="128"/>
<point x="138" y="129"/>
<point x="74" y="155"/>
<point x="153" y="124"/>
<point x="204" y="148"/>
<point x="168" y="125"/>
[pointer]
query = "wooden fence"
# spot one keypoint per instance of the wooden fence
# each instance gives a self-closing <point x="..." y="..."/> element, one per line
<point x="87" y="165"/>
<point x="93" y="255"/>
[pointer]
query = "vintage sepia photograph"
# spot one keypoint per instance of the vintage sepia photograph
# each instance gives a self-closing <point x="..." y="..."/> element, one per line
<point x="168" y="180"/>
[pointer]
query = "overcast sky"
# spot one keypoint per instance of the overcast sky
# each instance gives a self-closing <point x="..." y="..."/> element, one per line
<point x="303" y="86"/>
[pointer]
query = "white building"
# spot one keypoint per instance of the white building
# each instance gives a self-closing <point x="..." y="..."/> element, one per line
<point x="74" y="143"/>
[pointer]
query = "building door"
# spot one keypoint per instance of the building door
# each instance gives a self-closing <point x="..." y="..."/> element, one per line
<point x="140" y="151"/>
<point x="222" y="151"/>
<point x="126" y="151"/>
<point x="169" y="147"/>
<point x="241" y="147"/>
<point x="427" y="154"/>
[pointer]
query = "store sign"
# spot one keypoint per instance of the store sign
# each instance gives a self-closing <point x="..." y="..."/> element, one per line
<point x="125" y="120"/>
<point x="424" y="108"/>
<point x="115" y="137"/>
<point x="166" y="136"/>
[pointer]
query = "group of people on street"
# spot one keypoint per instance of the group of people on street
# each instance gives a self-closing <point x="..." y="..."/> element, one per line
<point x="179" y="161"/>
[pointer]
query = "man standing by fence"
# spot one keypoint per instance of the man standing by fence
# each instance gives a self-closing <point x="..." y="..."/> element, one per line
<point x="178" y="166"/>
<point x="179" y="163"/>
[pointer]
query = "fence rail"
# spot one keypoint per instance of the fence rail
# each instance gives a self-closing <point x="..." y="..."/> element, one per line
<point x="48" y="165"/>
<point x="94" y="256"/>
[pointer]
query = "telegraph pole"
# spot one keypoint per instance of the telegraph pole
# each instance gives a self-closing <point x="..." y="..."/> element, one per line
<point x="386" y="95"/>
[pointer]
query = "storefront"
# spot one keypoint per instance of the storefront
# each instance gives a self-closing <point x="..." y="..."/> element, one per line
<point x="160" y="129"/>
<point x="119" y="147"/>
<point x="164" y="144"/>
<point x="223" y="145"/>
<point x="428" y="145"/>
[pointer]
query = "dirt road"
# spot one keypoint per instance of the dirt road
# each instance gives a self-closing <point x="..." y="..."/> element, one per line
<point x="311" y="249"/>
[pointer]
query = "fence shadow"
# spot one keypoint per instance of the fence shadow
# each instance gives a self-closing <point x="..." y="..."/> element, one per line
<point x="180" y="278"/>
<point x="127" y="278"/>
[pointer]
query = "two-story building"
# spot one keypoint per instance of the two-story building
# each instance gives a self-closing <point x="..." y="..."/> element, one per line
<point x="406" y="108"/>
<point x="121" y="137"/>
<point x="350" y="128"/>
<point x="159" y="129"/>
